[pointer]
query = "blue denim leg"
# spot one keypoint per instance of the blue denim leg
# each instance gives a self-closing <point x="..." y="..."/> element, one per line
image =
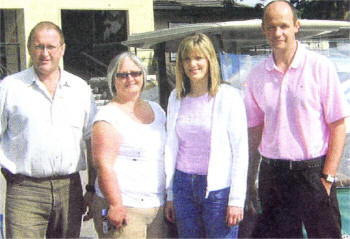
<point x="189" y="191"/>
<point x="197" y="216"/>
<point x="214" y="215"/>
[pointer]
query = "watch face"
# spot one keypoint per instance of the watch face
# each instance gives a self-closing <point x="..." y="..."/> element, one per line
<point x="330" y="179"/>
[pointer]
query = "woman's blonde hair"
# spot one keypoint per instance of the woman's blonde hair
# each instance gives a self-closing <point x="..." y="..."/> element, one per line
<point x="202" y="44"/>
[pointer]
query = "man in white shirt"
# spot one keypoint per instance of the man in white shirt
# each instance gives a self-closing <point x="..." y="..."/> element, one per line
<point x="45" y="124"/>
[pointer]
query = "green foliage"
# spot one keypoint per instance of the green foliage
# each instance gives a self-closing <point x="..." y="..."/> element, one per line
<point x="324" y="9"/>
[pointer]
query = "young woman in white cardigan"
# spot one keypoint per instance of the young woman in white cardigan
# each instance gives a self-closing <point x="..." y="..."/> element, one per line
<point x="206" y="153"/>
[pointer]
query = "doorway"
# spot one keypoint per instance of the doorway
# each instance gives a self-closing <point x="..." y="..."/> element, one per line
<point x="92" y="39"/>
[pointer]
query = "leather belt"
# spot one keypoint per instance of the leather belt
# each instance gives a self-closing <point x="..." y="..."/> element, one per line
<point x="12" y="177"/>
<point x="295" y="165"/>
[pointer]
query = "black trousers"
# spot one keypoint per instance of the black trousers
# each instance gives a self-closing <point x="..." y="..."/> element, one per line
<point x="291" y="197"/>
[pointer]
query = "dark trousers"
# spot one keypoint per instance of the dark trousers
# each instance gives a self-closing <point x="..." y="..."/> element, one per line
<point x="292" y="197"/>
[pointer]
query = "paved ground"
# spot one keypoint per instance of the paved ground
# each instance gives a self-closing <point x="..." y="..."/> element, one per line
<point x="88" y="230"/>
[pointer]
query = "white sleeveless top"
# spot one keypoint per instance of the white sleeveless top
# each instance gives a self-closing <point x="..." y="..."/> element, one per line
<point x="139" y="165"/>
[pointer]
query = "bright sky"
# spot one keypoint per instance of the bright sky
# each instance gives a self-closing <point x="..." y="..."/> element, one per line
<point x="253" y="2"/>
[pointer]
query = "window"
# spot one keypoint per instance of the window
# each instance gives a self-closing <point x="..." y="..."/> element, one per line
<point x="12" y="42"/>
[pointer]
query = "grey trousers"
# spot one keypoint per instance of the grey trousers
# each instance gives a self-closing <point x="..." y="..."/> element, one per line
<point x="43" y="208"/>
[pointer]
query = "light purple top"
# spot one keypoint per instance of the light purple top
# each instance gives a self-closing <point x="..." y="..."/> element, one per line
<point x="296" y="107"/>
<point x="193" y="128"/>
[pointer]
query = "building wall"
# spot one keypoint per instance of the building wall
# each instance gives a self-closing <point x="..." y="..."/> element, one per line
<point x="140" y="14"/>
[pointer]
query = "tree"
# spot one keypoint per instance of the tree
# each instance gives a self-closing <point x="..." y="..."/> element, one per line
<point x="327" y="9"/>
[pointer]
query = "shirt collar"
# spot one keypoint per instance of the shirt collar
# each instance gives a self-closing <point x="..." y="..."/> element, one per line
<point x="33" y="76"/>
<point x="270" y="63"/>
<point x="297" y="61"/>
<point x="64" y="81"/>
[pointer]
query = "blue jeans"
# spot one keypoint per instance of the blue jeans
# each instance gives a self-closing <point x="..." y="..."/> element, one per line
<point x="197" y="216"/>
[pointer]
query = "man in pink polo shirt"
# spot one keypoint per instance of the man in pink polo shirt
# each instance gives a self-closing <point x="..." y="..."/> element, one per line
<point x="296" y="112"/>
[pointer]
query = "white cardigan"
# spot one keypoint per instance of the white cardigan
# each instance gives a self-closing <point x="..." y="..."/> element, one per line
<point x="228" y="162"/>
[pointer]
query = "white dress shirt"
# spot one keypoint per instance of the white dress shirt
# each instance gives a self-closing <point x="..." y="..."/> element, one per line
<point x="43" y="136"/>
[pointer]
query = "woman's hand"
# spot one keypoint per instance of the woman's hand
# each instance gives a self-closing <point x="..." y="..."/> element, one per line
<point x="117" y="216"/>
<point x="234" y="215"/>
<point x="170" y="212"/>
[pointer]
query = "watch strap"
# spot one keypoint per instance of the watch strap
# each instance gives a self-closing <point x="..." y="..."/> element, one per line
<point x="329" y="178"/>
<point x="90" y="188"/>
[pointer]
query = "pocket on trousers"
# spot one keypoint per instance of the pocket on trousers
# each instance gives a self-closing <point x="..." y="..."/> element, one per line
<point x="317" y="185"/>
<point x="180" y="183"/>
<point x="219" y="195"/>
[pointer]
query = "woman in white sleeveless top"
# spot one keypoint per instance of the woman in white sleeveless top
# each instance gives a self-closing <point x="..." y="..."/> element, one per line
<point x="128" y="146"/>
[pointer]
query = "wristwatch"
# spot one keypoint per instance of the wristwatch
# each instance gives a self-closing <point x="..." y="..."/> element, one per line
<point x="90" y="188"/>
<point x="329" y="178"/>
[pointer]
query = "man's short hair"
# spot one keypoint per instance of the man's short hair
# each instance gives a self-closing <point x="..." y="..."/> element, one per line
<point x="294" y="11"/>
<point x="41" y="26"/>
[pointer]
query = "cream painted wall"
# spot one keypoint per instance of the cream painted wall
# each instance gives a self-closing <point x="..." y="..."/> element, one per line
<point x="140" y="12"/>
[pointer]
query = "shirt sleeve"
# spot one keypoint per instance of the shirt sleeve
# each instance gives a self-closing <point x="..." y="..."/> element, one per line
<point x="171" y="145"/>
<point x="3" y="111"/>
<point x="255" y="116"/>
<point x="334" y="103"/>
<point x="90" y="114"/>
<point x="238" y="135"/>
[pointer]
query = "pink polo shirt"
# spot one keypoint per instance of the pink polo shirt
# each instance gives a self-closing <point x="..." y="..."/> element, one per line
<point x="295" y="107"/>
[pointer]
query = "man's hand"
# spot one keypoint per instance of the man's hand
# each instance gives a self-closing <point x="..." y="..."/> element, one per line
<point x="336" y="143"/>
<point x="327" y="186"/>
<point x="87" y="205"/>
<point x="234" y="215"/>
<point x="170" y="212"/>
<point x="252" y="200"/>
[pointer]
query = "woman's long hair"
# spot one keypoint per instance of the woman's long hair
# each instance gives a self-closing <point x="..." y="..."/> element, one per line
<point x="201" y="44"/>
